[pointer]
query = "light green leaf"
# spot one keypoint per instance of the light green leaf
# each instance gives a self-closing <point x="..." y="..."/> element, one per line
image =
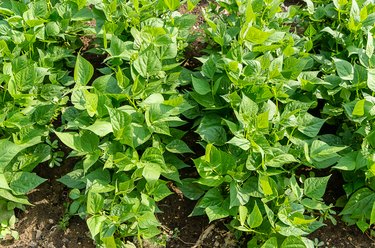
<point x="359" y="108"/>
<point x="345" y="70"/>
<point x="242" y="212"/>
<point x="216" y="212"/>
<point x="147" y="220"/>
<point x="372" y="217"/>
<point x="293" y="242"/>
<point x="95" y="203"/>
<point x="348" y="162"/>
<point x="257" y="36"/>
<point x="83" y="71"/>
<point x="201" y="86"/>
<point x="315" y="187"/>
<point x="270" y="243"/>
<point x="95" y="223"/>
<point x="151" y="172"/>
<point x="147" y="64"/>
<point x="255" y="218"/>
<point x="371" y="79"/>
<point x="242" y="143"/>
<point x="178" y="146"/>
<point x="281" y="160"/>
<point x="172" y="4"/>
<point x="100" y="128"/>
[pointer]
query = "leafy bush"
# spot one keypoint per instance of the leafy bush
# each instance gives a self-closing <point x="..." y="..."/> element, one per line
<point x="280" y="91"/>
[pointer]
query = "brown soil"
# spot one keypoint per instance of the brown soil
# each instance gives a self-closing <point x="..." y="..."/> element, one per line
<point x="342" y="236"/>
<point x="41" y="225"/>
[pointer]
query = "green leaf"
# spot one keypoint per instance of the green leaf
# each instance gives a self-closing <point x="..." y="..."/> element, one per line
<point x="310" y="125"/>
<point x="262" y="120"/>
<point x="100" y="127"/>
<point x="242" y="143"/>
<point x="147" y="64"/>
<point x="359" y="108"/>
<point x="345" y="70"/>
<point x="70" y="139"/>
<point x="281" y="160"/>
<point x="321" y="151"/>
<point x="178" y="146"/>
<point x="211" y="130"/>
<point x="172" y="4"/>
<point x="8" y="150"/>
<point x="255" y="218"/>
<point x="315" y="187"/>
<point x="151" y="172"/>
<point x="248" y="108"/>
<point x="216" y="212"/>
<point x="83" y="71"/>
<point x="348" y="162"/>
<point x="3" y="182"/>
<point x="23" y="182"/>
<point x="201" y="86"/>
<point x="270" y="243"/>
<point x="371" y="79"/>
<point x="191" y="189"/>
<point x="293" y="242"/>
<point x="242" y="212"/>
<point x="265" y="185"/>
<point x="95" y="223"/>
<point x="360" y="204"/>
<point x="256" y="36"/>
<point x="147" y="220"/>
<point x="209" y="68"/>
<point x="372" y="216"/>
<point x="95" y="203"/>
<point x="8" y="196"/>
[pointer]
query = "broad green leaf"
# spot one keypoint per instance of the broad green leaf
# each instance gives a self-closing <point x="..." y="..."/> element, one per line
<point x="238" y="196"/>
<point x="83" y="71"/>
<point x="201" y="86"/>
<point x="242" y="143"/>
<point x="172" y="4"/>
<point x="345" y="70"/>
<point x="23" y="182"/>
<point x="372" y="216"/>
<point x="242" y="212"/>
<point x="160" y="192"/>
<point x="315" y="187"/>
<point x="151" y="172"/>
<point x="95" y="223"/>
<point x="8" y="150"/>
<point x="147" y="220"/>
<point x="270" y="243"/>
<point x="211" y="130"/>
<point x="265" y="185"/>
<point x="209" y="68"/>
<point x="370" y="44"/>
<point x="371" y="79"/>
<point x="216" y="212"/>
<point x="95" y="203"/>
<point x="359" y="108"/>
<point x="281" y="160"/>
<point x="360" y="204"/>
<point x="347" y="162"/>
<point x="248" y="108"/>
<point x="3" y="182"/>
<point x="310" y="125"/>
<point x="262" y="120"/>
<point x="70" y="139"/>
<point x="147" y="64"/>
<point x="10" y="197"/>
<point x="255" y="218"/>
<point x="191" y="189"/>
<point x="256" y="36"/>
<point x="100" y="127"/>
<point x="293" y="242"/>
<point x="321" y="151"/>
<point x="178" y="146"/>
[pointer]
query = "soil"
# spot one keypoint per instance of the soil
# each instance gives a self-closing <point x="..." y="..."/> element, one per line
<point x="41" y="225"/>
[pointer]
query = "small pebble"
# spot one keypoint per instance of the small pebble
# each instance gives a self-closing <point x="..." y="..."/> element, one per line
<point x="33" y="244"/>
<point x="51" y="221"/>
<point x="38" y="234"/>
<point x="65" y="240"/>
